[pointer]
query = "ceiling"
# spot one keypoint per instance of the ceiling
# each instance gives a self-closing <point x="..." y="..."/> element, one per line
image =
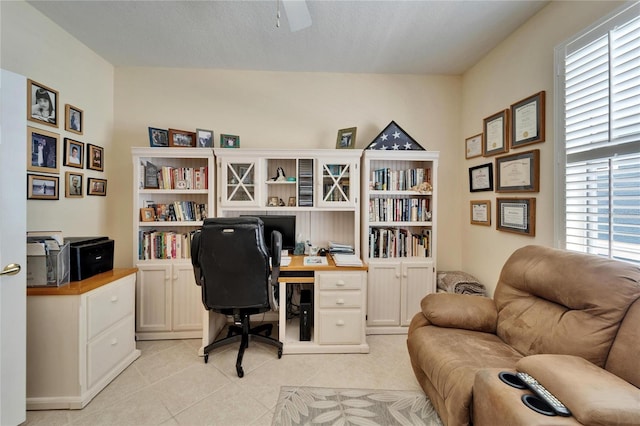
<point x="384" y="36"/>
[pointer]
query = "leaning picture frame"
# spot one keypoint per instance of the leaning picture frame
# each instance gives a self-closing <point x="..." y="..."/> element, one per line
<point x="473" y="146"/>
<point x="147" y="214"/>
<point x="73" y="153"/>
<point x="229" y="141"/>
<point x="74" y="119"/>
<point x="528" y="120"/>
<point x="73" y="185"/>
<point x="480" y="212"/>
<point x="346" y="138"/>
<point x="481" y="178"/>
<point x="42" y="104"/>
<point x="518" y="172"/>
<point x="496" y="134"/>
<point x="158" y="137"/>
<point x="96" y="186"/>
<point x="95" y="157"/>
<point x="517" y="215"/>
<point x="204" y="138"/>
<point x="43" y="152"/>
<point x="42" y="187"/>
<point x="181" y="138"/>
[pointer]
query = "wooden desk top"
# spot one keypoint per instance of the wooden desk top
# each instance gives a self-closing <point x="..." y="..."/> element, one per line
<point x="297" y="264"/>
<point x="75" y="288"/>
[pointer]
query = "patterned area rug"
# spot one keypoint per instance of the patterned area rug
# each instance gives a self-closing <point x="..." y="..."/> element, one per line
<point x="362" y="407"/>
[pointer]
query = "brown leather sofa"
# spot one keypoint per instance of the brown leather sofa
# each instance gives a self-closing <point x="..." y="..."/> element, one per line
<point x="570" y="320"/>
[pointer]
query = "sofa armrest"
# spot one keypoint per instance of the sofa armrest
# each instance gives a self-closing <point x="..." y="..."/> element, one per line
<point x="460" y="311"/>
<point x="592" y="394"/>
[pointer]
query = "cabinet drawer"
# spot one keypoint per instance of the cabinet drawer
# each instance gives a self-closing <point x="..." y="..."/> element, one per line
<point x="340" y="299"/>
<point x="108" y="350"/>
<point x="340" y="280"/>
<point x="340" y="327"/>
<point x="108" y="305"/>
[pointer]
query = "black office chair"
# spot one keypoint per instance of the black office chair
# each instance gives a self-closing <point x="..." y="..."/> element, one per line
<point x="231" y="264"/>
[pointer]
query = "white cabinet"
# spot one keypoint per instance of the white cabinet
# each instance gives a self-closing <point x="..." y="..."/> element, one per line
<point x="79" y="338"/>
<point x="398" y="235"/>
<point x="172" y="195"/>
<point x="338" y="182"/>
<point x="341" y="301"/>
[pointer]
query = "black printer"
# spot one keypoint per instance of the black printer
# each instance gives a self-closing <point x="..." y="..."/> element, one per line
<point x="89" y="256"/>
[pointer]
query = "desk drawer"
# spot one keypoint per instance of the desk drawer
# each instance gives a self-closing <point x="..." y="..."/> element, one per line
<point x="340" y="299"/>
<point x="340" y="327"/>
<point x="109" y="304"/>
<point x="340" y="280"/>
<point x="109" y="349"/>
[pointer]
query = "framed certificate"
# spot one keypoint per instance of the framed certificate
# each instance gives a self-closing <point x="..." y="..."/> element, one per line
<point x="516" y="215"/>
<point x="480" y="212"/>
<point x="527" y="120"/>
<point x="496" y="134"/>
<point x="473" y="146"/>
<point x="518" y="172"/>
<point x="481" y="178"/>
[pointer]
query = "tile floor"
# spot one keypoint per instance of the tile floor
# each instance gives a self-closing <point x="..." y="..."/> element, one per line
<point x="171" y="385"/>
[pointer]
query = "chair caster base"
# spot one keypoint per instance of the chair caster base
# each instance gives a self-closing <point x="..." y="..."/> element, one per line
<point x="206" y="358"/>
<point x="240" y="371"/>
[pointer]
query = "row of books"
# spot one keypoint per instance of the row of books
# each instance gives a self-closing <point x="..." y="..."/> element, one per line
<point x="179" y="211"/>
<point x="333" y="192"/>
<point x="396" y="242"/>
<point x="388" y="179"/>
<point x="399" y="209"/>
<point x="164" y="245"/>
<point x="167" y="177"/>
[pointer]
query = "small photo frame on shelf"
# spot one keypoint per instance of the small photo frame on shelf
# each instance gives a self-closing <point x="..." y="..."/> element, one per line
<point x="42" y="151"/>
<point x="96" y="186"/>
<point x="481" y="178"/>
<point x="73" y="153"/>
<point x="273" y="202"/>
<point x="147" y="214"/>
<point x="204" y="138"/>
<point x="473" y="146"/>
<point x="528" y="121"/>
<point x="95" y="157"/>
<point x="42" y="187"/>
<point x="518" y="172"/>
<point x="158" y="137"/>
<point x="346" y="138"/>
<point x="516" y="215"/>
<point x="480" y="212"/>
<point x="229" y="141"/>
<point x="496" y="134"/>
<point x="74" y="119"/>
<point x="42" y="104"/>
<point x="73" y="185"/>
<point x="292" y="202"/>
<point x="182" y="138"/>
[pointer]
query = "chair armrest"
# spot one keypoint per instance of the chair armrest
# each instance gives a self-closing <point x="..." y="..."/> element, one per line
<point x="276" y="255"/>
<point x="592" y="394"/>
<point x="464" y="311"/>
<point x="195" y="259"/>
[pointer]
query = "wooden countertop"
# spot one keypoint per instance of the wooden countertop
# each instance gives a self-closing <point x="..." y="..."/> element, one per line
<point x="297" y="264"/>
<point x="75" y="288"/>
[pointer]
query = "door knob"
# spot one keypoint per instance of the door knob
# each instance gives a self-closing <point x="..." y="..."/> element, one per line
<point x="10" y="269"/>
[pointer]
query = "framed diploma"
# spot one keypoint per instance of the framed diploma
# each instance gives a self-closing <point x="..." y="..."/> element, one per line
<point x="496" y="134"/>
<point x="473" y="146"/>
<point x="516" y="215"/>
<point x="481" y="212"/>
<point x="527" y="121"/>
<point x="481" y="178"/>
<point x="518" y="172"/>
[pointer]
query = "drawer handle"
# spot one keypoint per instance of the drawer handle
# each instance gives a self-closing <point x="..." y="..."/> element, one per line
<point x="340" y="302"/>
<point x="340" y="323"/>
<point x="114" y="299"/>
<point x="114" y="342"/>
<point x="340" y="283"/>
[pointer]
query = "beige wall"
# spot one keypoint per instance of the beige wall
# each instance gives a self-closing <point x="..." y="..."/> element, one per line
<point x="287" y="110"/>
<point x="37" y="48"/>
<point x="519" y="67"/>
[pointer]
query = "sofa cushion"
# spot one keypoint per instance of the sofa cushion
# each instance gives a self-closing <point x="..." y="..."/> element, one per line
<point x="623" y="358"/>
<point x="556" y="301"/>
<point x="460" y="311"/>
<point x="450" y="358"/>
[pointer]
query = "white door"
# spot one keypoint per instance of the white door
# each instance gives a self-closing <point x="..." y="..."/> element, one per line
<point x="13" y="220"/>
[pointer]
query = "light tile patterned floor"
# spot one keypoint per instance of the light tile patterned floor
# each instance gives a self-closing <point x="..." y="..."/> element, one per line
<point x="171" y="385"/>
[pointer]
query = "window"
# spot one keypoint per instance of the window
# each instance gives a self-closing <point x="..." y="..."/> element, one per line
<point x="598" y="139"/>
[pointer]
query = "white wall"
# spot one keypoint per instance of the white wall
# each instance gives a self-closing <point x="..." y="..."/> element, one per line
<point x="519" y="67"/>
<point x="33" y="46"/>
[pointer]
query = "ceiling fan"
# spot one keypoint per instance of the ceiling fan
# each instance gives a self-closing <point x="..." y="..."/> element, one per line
<point x="297" y="14"/>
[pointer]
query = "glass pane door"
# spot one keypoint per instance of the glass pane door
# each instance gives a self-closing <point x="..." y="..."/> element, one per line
<point x="240" y="182"/>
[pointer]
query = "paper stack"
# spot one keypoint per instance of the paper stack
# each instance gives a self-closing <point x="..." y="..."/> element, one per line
<point x="342" y="259"/>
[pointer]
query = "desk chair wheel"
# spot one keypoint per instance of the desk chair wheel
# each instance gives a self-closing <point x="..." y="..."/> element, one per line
<point x="279" y="353"/>
<point x="240" y="371"/>
<point x="206" y="358"/>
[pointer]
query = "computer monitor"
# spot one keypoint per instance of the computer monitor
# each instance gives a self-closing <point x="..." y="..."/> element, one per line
<point x="285" y="224"/>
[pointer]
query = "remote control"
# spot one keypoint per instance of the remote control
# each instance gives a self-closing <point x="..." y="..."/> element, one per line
<point x="544" y="394"/>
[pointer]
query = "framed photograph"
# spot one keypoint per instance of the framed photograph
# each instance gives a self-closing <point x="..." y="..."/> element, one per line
<point x="42" y="187"/>
<point x="229" y="141"/>
<point x="204" y="138"/>
<point x="74" y="119"/>
<point x="518" y="172"/>
<point x="292" y="202"/>
<point x="147" y="214"/>
<point x="95" y="157"/>
<point x="158" y="137"/>
<point x="73" y="185"/>
<point x="42" y="151"/>
<point x="181" y="138"/>
<point x="516" y="215"/>
<point x="42" y="104"/>
<point x="346" y="138"/>
<point x="480" y="212"/>
<point x="96" y="186"/>
<point x="481" y="178"/>
<point x="527" y="120"/>
<point x="273" y="202"/>
<point x="496" y="134"/>
<point x="73" y="153"/>
<point x="473" y="146"/>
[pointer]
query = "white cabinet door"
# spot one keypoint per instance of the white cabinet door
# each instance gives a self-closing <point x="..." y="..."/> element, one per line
<point x="187" y="300"/>
<point x="383" y="305"/>
<point x="417" y="282"/>
<point x="239" y="182"/>
<point x="338" y="183"/>
<point x="153" y="298"/>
